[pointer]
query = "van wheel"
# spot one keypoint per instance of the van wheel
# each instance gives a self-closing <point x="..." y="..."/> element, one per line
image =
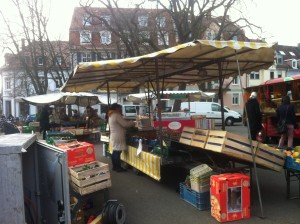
<point x="229" y="121"/>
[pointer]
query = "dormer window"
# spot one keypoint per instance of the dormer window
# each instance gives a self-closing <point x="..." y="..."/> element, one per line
<point x="87" y="20"/>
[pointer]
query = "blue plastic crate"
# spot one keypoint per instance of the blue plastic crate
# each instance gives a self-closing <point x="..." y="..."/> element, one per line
<point x="291" y="164"/>
<point x="199" y="200"/>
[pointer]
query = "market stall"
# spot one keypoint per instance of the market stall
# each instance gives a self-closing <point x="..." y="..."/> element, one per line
<point x="197" y="61"/>
<point x="62" y="122"/>
<point x="270" y="95"/>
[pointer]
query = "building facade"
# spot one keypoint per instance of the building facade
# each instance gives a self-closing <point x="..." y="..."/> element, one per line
<point x="21" y="72"/>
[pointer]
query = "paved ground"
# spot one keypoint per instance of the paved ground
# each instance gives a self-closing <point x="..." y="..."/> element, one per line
<point x="148" y="201"/>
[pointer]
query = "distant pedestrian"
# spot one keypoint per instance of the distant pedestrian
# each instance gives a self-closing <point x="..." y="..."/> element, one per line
<point x="254" y="115"/>
<point x="117" y="127"/>
<point x="44" y="121"/>
<point x="287" y="111"/>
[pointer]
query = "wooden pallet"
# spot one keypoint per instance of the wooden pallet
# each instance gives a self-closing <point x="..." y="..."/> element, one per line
<point x="186" y="135"/>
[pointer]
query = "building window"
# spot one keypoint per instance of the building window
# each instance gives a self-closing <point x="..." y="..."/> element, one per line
<point x="235" y="38"/>
<point x="143" y="21"/>
<point x="86" y="57"/>
<point x="163" y="38"/>
<point x="85" y="37"/>
<point x="58" y="60"/>
<point x="40" y="61"/>
<point x="7" y="83"/>
<point x="87" y="20"/>
<point x="235" y="99"/>
<point x="161" y="22"/>
<point x="279" y="75"/>
<point x="279" y="60"/>
<point x="254" y="75"/>
<point x="271" y="75"/>
<point x="292" y="53"/>
<point x="103" y="19"/>
<point x="235" y="81"/>
<point x="294" y="64"/>
<point x="105" y="37"/>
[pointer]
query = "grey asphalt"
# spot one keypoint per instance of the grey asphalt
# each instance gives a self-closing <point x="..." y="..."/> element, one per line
<point x="148" y="201"/>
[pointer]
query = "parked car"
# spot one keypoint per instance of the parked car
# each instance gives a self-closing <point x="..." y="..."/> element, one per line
<point x="30" y="118"/>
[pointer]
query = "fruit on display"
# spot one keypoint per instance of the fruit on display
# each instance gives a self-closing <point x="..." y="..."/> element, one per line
<point x="295" y="154"/>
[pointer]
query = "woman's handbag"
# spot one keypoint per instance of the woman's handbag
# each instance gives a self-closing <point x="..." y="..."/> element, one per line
<point x="281" y="126"/>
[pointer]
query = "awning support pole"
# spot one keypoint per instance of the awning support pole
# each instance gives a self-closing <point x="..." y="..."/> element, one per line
<point x="251" y="143"/>
<point x="158" y="106"/>
<point x="221" y="94"/>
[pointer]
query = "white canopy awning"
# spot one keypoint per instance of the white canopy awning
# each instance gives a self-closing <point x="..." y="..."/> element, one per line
<point x="189" y="63"/>
<point x="81" y="99"/>
<point x="183" y="95"/>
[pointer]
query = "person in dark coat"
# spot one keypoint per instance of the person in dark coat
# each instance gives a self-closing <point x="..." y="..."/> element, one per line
<point x="287" y="111"/>
<point x="44" y="121"/>
<point x="254" y="115"/>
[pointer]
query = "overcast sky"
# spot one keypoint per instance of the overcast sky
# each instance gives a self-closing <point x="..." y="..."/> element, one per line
<point x="278" y="19"/>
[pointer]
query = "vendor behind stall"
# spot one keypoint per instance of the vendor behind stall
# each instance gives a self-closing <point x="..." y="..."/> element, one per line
<point x="93" y="121"/>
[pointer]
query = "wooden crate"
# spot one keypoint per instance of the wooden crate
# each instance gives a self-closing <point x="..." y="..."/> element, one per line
<point x="92" y="188"/>
<point x="269" y="157"/>
<point x="94" y="179"/>
<point x="186" y="135"/>
<point x="90" y="177"/>
<point x="199" y="138"/>
<point x="230" y="144"/>
<point x="82" y="171"/>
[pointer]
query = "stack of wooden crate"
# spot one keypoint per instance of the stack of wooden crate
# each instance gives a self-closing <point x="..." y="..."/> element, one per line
<point x="234" y="145"/>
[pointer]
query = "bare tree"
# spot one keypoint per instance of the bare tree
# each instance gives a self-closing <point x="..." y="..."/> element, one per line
<point x="39" y="58"/>
<point x="189" y="19"/>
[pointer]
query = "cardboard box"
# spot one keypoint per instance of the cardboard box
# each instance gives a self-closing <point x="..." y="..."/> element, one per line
<point x="230" y="197"/>
<point x="230" y="144"/>
<point x="269" y="157"/>
<point x="186" y="135"/>
<point x="199" y="138"/>
<point x="79" y="152"/>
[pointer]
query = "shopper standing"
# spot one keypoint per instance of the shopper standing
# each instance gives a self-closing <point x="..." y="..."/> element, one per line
<point x="254" y="115"/>
<point x="287" y="111"/>
<point x="117" y="127"/>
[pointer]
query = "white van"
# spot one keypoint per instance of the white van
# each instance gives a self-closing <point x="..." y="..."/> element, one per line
<point x="131" y="111"/>
<point x="213" y="111"/>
